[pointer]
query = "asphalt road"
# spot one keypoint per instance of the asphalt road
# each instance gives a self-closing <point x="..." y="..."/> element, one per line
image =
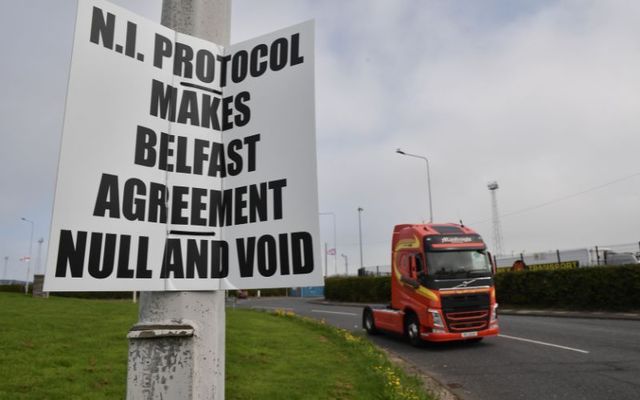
<point x="535" y="358"/>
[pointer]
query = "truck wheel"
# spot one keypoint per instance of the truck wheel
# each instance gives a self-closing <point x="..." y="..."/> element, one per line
<point x="368" y="322"/>
<point x="412" y="330"/>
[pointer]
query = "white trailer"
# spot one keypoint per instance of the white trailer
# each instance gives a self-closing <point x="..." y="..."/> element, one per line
<point x="573" y="258"/>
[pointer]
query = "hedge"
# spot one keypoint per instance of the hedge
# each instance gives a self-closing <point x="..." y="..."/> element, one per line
<point x="129" y="295"/>
<point x="14" y="288"/>
<point x="593" y="288"/>
<point x="366" y="289"/>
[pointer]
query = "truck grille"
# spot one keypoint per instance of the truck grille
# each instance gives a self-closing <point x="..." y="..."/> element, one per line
<point x="466" y="312"/>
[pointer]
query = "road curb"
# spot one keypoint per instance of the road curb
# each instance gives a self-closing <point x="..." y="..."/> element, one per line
<point x="434" y="387"/>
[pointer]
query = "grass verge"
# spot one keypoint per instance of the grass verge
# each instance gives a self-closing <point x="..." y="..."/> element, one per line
<point x="63" y="348"/>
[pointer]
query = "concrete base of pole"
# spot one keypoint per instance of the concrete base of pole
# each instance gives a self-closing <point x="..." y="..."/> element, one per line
<point x="172" y="351"/>
<point x="38" y="284"/>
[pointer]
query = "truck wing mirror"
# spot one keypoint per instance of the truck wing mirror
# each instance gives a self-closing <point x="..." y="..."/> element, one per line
<point x="493" y="263"/>
<point x="412" y="267"/>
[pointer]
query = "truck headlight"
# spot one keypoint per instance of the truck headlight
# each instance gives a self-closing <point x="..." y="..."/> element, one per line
<point x="437" y="318"/>
<point x="494" y="312"/>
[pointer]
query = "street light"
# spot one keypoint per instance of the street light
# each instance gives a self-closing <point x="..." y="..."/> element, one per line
<point x="428" y="179"/>
<point x="26" y="284"/>
<point x="346" y="263"/>
<point x="6" y="262"/>
<point x="335" y="246"/>
<point x="40" y="241"/>
<point x="360" y="210"/>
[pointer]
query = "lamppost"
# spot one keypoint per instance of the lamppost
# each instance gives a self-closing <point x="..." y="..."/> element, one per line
<point x="40" y="241"/>
<point x="428" y="179"/>
<point x="335" y="246"/>
<point x="346" y="263"/>
<point x="26" y="284"/>
<point x="360" y="210"/>
<point x="6" y="262"/>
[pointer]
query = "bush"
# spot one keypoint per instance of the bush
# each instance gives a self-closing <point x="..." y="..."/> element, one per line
<point x="366" y="289"/>
<point x="96" y="295"/>
<point x="593" y="288"/>
<point x="14" y="288"/>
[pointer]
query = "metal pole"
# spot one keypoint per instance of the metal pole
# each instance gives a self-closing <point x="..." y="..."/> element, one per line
<point x="6" y="262"/>
<point x="360" y="209"/>
<point x="26" y="284"/>
<point x="188" y="360"/>
<point x="335" y="245"/>
<point x="40" y="241"/>
<point x="326" y="265"/>
<point x="346" y="264"/>
<point x="399" y="151"/>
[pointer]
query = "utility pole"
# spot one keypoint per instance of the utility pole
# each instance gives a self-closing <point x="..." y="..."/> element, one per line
<point x="185" y="359"/>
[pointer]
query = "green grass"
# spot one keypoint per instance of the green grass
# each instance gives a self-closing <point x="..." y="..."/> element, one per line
<point x="60" y="348"/>
<point x="280" y="356"/>
<point x="63" y="348"/>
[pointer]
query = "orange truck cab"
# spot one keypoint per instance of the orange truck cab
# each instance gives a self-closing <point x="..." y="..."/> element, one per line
<point x="442" y="286"/>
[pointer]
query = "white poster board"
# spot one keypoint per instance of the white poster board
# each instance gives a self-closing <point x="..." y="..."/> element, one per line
<point x="185" y="165"/>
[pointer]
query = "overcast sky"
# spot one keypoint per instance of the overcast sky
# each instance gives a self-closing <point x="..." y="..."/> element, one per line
<point x="541" y="96"/>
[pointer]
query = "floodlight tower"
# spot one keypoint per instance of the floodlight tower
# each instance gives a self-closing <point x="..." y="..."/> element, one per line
<point x="497" y="230"/>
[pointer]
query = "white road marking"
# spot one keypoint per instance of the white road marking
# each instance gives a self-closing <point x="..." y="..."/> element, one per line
<point x="334" y="312"/>
<point x="543" y="343"/>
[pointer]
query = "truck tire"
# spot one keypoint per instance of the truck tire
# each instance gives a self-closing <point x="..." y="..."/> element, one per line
<point x="412" y="330"/>
<point x="368" y="322"/>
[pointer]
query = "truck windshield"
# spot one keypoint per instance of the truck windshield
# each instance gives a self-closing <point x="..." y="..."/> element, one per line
<point x="456" y="264"/>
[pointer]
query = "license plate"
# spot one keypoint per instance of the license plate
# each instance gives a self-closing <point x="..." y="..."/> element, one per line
<point x="469" y="334"/>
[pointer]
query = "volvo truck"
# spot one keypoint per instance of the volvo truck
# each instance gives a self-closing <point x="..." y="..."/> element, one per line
<point x="442" y="286"/>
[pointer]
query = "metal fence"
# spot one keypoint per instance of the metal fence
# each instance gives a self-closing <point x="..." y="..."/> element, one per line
<point x="378" y="270"/>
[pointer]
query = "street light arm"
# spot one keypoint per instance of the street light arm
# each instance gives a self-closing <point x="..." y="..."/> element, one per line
<point x="412" y="155"/>
<point x="399" y="151"/>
